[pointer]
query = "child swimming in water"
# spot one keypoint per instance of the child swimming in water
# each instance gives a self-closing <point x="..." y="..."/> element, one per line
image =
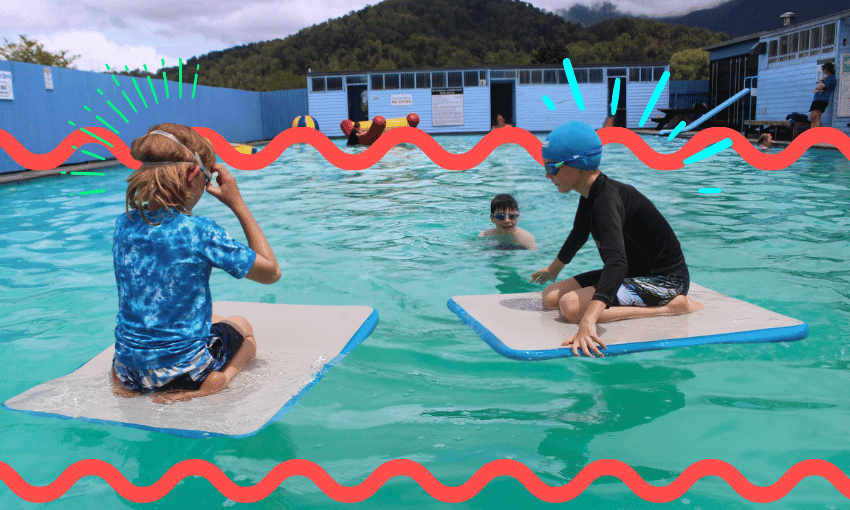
<point x="504" y="213"/>
<point x="167" y="340"/>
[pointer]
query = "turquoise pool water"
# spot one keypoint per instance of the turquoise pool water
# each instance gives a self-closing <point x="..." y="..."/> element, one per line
<point x="401" y="237"/>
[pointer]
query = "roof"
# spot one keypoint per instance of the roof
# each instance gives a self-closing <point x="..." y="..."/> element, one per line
<point x="735" y="41"/>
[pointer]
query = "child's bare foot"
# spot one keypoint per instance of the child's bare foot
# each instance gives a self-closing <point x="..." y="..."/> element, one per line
<point x="214" y="383"/>
<point x="681" y="305"/>
<point x="119" y="390"/>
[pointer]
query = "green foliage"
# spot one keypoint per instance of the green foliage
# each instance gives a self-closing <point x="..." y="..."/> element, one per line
<point x="551" y="53"/>
<point x="689" y="65"/>
<point x="405" y="34"/>
<point x="637" y="40"/>
<point x="32" y="52"/>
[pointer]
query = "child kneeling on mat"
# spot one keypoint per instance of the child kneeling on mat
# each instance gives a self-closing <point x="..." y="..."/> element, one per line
<point x="167" y="340"/>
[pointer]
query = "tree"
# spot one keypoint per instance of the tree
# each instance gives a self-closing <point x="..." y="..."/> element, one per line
<point x="552" y="53"/>
<point x="689" y="65"/>
<point x="32" y="51"/>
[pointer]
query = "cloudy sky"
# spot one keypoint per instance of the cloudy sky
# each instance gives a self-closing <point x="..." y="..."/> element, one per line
<point x="137" y="32"/>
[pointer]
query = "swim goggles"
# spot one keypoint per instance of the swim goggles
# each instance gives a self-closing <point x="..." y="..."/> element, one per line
<point x="552" y="168"/>
<point x="206" y="172"/>
<point x="501" y="216"/>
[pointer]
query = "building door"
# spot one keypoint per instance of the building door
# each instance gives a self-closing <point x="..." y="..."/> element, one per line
<point x="502" y="101"/>
<point x="620" y="114"/>
<point x="358" y="103"/>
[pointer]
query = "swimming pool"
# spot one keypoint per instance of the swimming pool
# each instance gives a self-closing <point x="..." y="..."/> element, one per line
<point x="401" y="237"/>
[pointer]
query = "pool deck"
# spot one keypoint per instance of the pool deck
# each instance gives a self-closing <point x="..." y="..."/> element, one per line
<point x="25" y="175"/>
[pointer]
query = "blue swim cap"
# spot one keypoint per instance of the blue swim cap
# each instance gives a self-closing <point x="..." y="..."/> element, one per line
<point x="576" y="144"/>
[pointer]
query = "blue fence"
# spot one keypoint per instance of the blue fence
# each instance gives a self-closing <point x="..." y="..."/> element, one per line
<point x="279" y="109"/>
<point x="39" y="118"/>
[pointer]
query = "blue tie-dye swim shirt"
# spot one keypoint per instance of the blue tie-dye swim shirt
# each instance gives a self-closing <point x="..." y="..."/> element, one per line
<point x="163" y="276"/>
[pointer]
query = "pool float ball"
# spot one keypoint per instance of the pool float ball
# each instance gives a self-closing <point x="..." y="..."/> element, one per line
<point x="305" y="121"/>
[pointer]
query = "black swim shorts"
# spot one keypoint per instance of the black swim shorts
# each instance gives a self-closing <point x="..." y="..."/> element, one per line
<point x="655" y="290"/>
<point x="818" y="106"/>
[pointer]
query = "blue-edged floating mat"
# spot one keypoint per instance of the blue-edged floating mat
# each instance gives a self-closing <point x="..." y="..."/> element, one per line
<point x="296" y="345"/>
<point x="518" y="327"/>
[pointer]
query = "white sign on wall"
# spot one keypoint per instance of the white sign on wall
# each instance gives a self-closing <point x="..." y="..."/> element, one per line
<point x="447" y="107"/>
<point x="401" y="99"/>
<point x="48" y="78"/>
<point x="843" y="95"/>
<point x="6" y="91"/>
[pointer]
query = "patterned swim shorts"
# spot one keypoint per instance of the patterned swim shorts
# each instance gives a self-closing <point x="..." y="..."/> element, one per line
<point x="224" y="342"/>
<point x="644" y="290"/>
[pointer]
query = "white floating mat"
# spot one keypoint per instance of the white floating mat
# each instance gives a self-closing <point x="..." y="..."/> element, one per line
<point x="518" y="327"/>
<point x="296" y="345"/>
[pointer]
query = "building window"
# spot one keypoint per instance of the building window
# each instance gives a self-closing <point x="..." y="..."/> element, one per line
<point x="408" y="81"/>
<point x="334" y="83"/>
<point x="657" y="73"/>
<point x="634" y="74"/>
<point x="804" y="43"/>
<point x="354" y="80"/>
<point x="319" y="84"/>
<point x="470" y="78"/>
<point x="793" y="45"/>
<point x="391" y="82"/>
<point x="536" y="76"/>
<point x="828" y="37"/>
<point x="772" y="50"/>
<point x="595" y="76"/>
<point x="617" y="72"/>
<point x="423" y="81"/>
<point x="562" y="76"/>
<point x="816" y="38"/>
<point x="550" y="77"/>
<point x="377" y="82"/>
<point x="438" y="80"/>
<point x="524" y="77"/>
<point x="581" y="75"/>
<point x="455" y="79"/>
<point x="645" y="74"/>
<point x="783" y="48"/>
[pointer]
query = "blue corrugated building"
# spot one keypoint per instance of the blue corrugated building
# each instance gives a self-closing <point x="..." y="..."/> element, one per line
<point x="783" y="66"/>
<point x="467" y="100"/>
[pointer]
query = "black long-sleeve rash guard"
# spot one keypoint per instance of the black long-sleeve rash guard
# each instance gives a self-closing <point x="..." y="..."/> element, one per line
<point x="633" y="237"/>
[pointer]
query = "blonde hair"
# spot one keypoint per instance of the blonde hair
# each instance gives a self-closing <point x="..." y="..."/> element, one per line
<point x="164" y="186"/>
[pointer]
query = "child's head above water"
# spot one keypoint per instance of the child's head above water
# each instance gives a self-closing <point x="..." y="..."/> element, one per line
<point x="169" y="154"/>
<point x="503" y="202"/>
<point x="504" y="211"/>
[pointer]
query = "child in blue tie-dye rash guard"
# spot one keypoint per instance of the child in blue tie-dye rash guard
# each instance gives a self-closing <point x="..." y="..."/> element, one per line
<point x="167" y="340"/>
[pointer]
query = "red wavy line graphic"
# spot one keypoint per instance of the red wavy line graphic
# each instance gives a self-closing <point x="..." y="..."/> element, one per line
<point x="421" y="475"/>
<point x="435" y="152"/>
<point x="744" y="148"/>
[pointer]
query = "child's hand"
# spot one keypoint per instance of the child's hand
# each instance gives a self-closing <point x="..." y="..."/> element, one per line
<point x="227" y="191"/>
<point x="547" y="274"/>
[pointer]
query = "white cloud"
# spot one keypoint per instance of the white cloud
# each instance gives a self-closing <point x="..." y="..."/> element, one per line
<point x="96" y="50"/>
<point x="136" y="32"/>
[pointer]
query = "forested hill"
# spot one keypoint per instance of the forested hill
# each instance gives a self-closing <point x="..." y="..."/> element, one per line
<point x="745" y="17"/>
<point x="399" y="34"/>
